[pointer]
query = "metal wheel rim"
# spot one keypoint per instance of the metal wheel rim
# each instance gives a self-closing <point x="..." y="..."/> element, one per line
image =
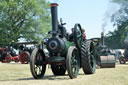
<point x="92" y="60"/>
<point x="74" y="63"/>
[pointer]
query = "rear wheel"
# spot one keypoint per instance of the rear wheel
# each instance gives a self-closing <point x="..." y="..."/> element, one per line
<point x="36" y="63"/>
<point x="58" y="69"/>
<point x="73" y="62"/>
<point x="88" y="60"/>
<point x="78" y="35"/>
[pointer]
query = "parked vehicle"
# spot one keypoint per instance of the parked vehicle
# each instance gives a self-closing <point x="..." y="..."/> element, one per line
<point x="65" y="51"/>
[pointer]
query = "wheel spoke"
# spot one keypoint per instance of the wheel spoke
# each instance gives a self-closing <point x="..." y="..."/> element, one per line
<point x="74" y="63"/>
<point x="75" y="72"/>
<point x="40" y="69"/>
<point x="73" y="66"/>
<point x="35" y="68"/>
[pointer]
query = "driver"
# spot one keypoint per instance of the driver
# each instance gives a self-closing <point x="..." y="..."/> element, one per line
<point x="83" y="34"/>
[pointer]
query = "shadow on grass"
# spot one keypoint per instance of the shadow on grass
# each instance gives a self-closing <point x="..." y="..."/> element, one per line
<point x="51" y="77"/>
<point x="47" y="77"/>
<point x="18" y="79"/>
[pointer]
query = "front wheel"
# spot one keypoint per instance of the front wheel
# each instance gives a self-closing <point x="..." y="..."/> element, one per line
<point x="73" y="62"/>
<point x="36" y="63"/>
<point x="24" y="57"/>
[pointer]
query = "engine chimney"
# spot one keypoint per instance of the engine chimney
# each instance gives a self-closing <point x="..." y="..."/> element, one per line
<point x="54" y="19"/>
<point x="102" y="38"/>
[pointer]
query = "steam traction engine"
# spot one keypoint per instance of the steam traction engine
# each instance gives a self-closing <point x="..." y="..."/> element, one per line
<point x="25" y="52"/>
<point x="104" y="58"/>
<point x="5" y="56"/>
<point x="123" y="59"/>
<point x="66" y="52"/>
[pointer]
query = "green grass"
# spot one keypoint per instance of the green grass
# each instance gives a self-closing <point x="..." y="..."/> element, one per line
<point x="19" y="74"/>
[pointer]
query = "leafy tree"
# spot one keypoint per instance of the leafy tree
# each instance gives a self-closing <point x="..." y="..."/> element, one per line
<point x="28" y="19"/>
<point x="120" y="21"/>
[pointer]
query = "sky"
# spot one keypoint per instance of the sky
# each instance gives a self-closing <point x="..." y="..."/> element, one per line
<point x="91" y="14"/>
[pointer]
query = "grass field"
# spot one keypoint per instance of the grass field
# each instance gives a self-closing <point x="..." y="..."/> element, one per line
<point x="19" y="74"/>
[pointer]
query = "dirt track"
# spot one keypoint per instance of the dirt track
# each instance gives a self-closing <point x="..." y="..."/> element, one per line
<point x="19" y="74"/>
